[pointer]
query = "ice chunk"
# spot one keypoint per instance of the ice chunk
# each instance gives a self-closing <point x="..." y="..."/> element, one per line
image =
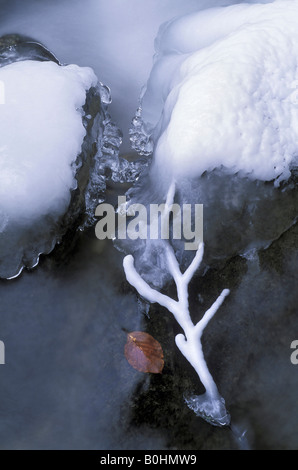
<point x="54" y="129"/>
<point x="221" y="93"/>
<point x="213" y="411"/>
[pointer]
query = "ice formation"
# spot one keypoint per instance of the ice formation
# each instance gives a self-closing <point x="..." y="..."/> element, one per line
<point x="219" y="115"/>
<point x="221" y="93"/>
<point x="56" y="140"/>
<point x="210" y="405"/>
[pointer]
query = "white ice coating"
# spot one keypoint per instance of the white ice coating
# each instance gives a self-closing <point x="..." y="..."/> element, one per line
<point x="210" y="405"/>
<point x="223" y="92"/>
<point x="41" y="134"/>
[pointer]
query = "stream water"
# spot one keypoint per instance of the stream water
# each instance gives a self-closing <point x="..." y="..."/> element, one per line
<point x="67" y="384"/>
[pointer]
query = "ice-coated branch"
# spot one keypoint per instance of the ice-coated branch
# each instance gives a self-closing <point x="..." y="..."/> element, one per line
<point x="143" y="288"/>
<point x="195" y="264"/>
<point x="211" y="311"/>
<point x="211" y="405"/>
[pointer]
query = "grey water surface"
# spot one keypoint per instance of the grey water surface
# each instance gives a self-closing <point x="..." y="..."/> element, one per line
<point x="67" y="385"/>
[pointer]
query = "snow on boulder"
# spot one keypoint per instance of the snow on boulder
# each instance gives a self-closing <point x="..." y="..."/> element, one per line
<point x="53" y="126"/>
<point x="221" y="93"/>
<point x="41" y="134"/>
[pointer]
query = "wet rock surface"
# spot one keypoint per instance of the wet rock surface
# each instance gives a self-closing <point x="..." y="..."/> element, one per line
<point x="15" y="47"/>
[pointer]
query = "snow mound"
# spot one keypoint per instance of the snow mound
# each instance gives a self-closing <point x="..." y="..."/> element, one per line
<point x="222" y="93"/>
<point x="41" y="134"/>
<point x="51" y="120"/>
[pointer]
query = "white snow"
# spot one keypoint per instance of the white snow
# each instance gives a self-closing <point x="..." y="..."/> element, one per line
<point x="221" y="92"/>
<point x="41" y="133"/>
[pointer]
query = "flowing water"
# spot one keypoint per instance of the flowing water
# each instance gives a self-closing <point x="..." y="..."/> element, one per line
<point x="67" y="384"/>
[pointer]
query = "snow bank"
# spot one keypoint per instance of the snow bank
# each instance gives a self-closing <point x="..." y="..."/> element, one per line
<point x="221" y="92"/>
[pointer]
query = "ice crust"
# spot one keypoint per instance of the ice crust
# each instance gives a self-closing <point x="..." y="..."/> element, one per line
<point x="222" y="93"/>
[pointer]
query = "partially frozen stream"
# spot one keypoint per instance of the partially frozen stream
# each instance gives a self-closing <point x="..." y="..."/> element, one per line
<point x="66" y="383"/>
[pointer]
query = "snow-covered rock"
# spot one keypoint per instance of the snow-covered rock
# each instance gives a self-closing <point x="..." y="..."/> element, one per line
<point x="41" y="136"/>
<point x="219" y="113"/>
<point x="54" y="129"/>
<point x="222" y="93"/>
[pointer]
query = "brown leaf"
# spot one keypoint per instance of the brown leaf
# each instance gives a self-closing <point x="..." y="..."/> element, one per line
<point x="144" y="353"/>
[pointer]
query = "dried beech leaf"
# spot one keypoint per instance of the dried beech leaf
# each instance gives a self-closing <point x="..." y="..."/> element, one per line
<point x="144" y="353"/>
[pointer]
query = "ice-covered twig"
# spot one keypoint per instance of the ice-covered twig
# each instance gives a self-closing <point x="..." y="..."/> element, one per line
<point x="211" y="405"/>
<point x="143" y="288"/>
